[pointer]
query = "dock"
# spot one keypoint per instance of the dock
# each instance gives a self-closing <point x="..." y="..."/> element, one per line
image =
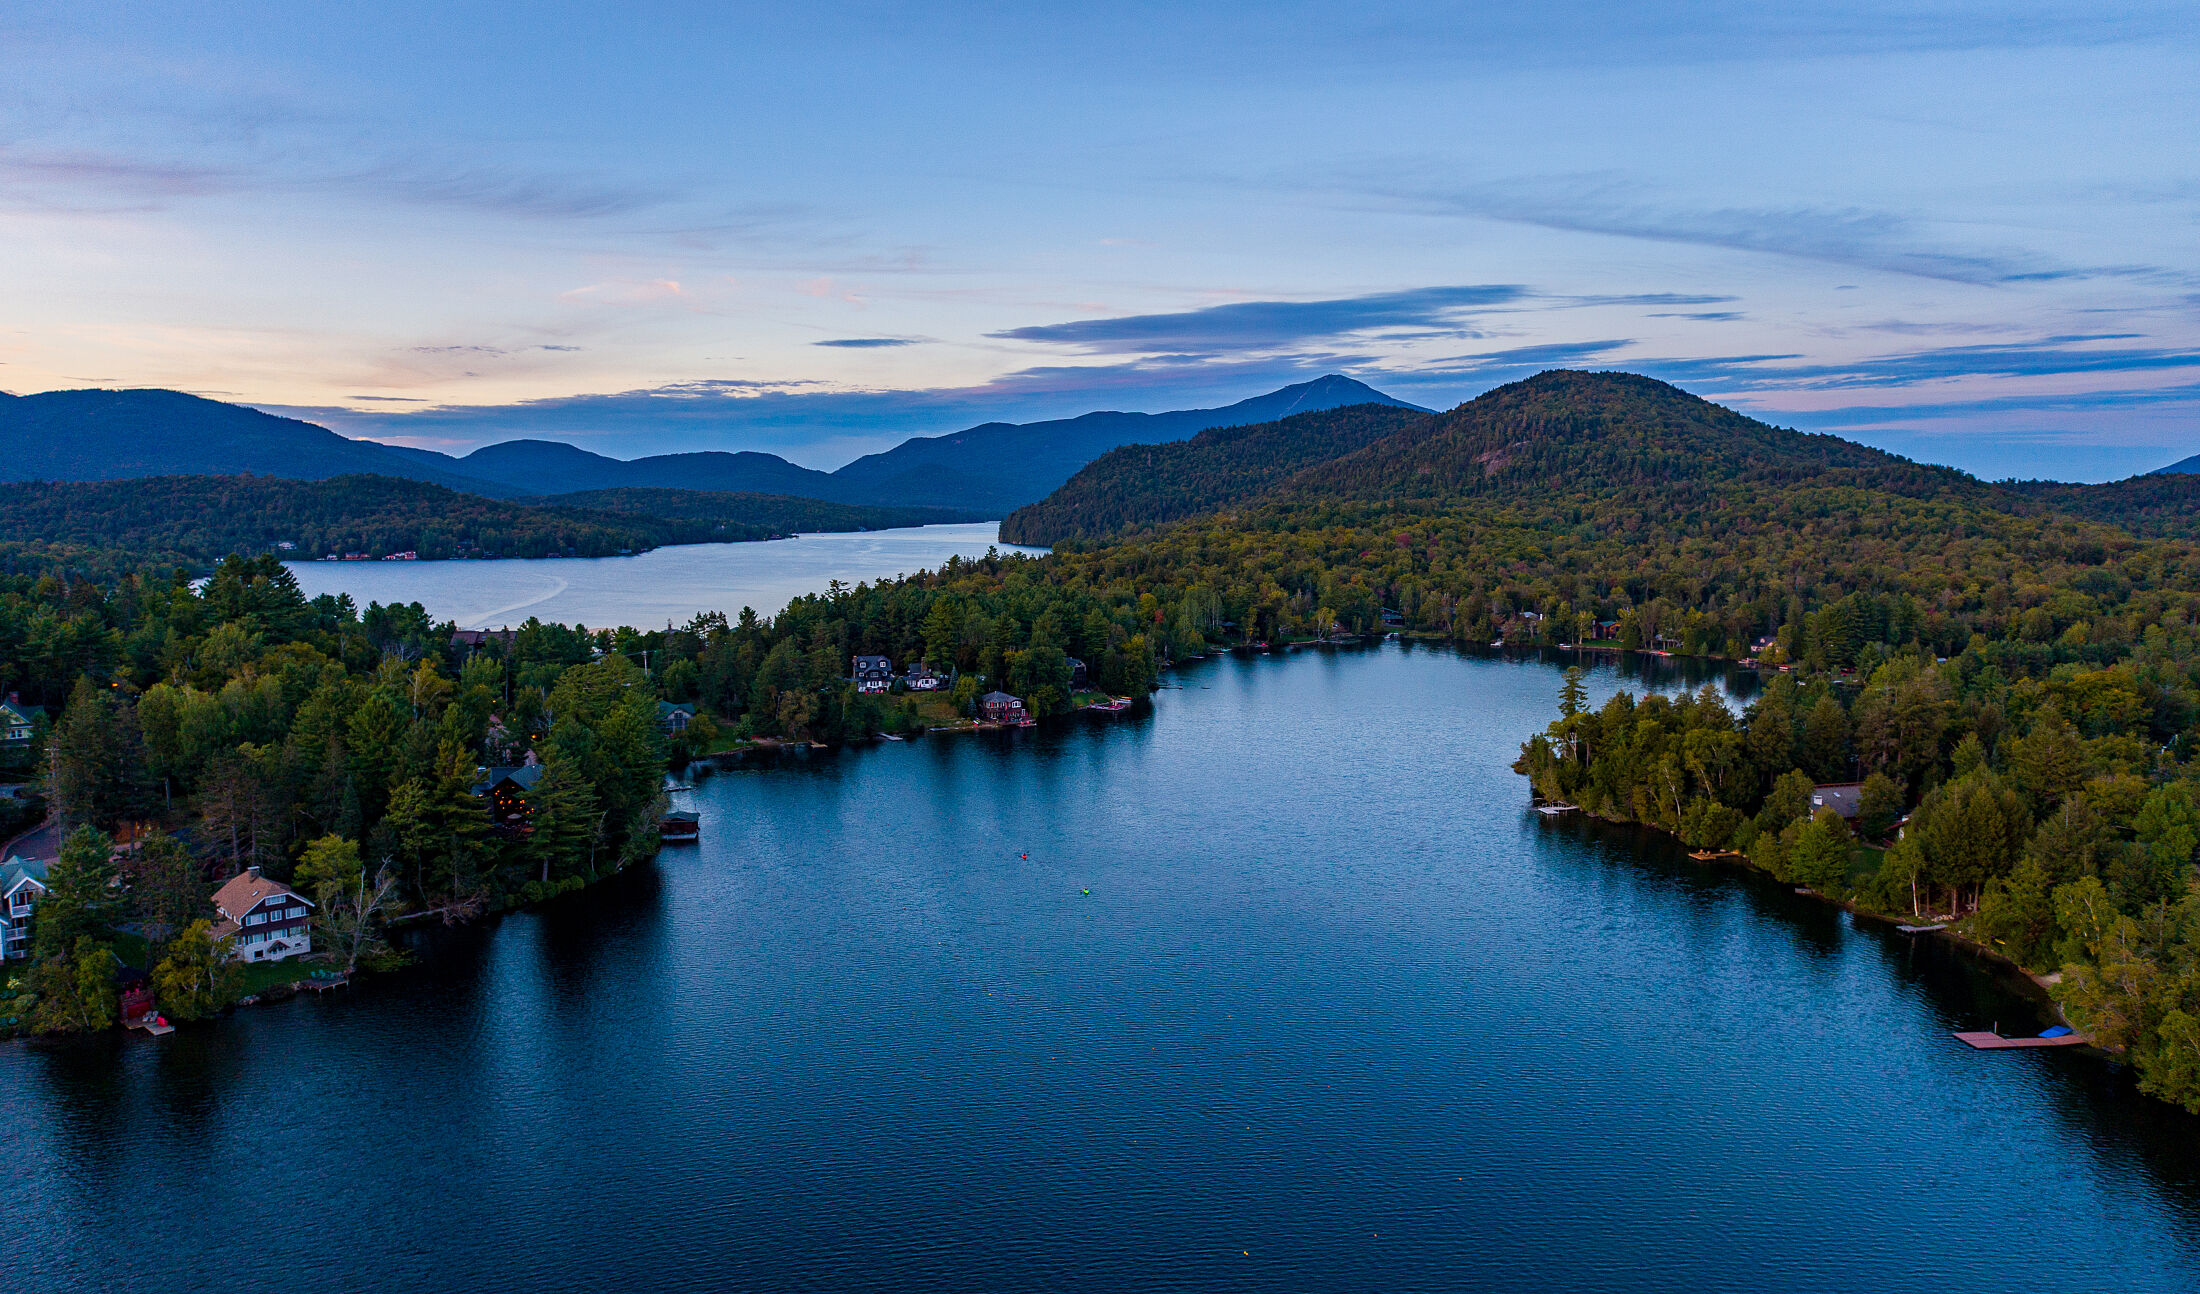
<point x="1920" y="930"/>
<point x="1553" y="810"/>
<point x="1985" y="1041"/>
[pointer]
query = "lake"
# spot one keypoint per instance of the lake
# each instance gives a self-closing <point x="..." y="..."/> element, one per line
<point x="1277" y="985"/>
<point x="665" y="584"/>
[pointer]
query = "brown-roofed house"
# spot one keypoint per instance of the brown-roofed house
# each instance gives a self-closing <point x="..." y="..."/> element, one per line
<point x="265" y="919"/>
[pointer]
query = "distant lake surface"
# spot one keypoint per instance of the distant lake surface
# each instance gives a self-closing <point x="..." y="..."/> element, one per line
<point x="645" y="591"/>
<point x="1276" y="985"/>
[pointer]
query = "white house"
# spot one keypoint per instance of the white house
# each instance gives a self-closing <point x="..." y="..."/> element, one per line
<point x="22" y="885"/>
<point x="265" y="919"/>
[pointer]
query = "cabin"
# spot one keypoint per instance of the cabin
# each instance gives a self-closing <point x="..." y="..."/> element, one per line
<point x="507" y="789"/>
<point x="673" y="717"/>
<point x="1604" y="631"/>
<point x="1000" y="707"/>
<point x="1844" y="798"/>
<point x="921" y="679"/>
<point x="18" y="721"/>
<point x="264" y="920"/>
<point x="873" y="673"/>
<point x="1077" y="674"/>
<point x="22" y="885"/>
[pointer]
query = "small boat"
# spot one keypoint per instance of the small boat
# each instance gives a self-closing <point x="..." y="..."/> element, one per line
<point x="892" y="736"/>
<point x="2058" y="1036"/>
<point x="1553" y="810"/>
<point x="680" y="824"/>
<point x="678" y="786"/>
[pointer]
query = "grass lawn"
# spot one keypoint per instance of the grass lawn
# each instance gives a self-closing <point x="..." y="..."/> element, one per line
<point x="1863" y="863"/>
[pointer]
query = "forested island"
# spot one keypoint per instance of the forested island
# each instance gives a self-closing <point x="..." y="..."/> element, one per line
<point x="2011" y="680"/>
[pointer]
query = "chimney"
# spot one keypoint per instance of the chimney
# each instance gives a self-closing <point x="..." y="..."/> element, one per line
<point x="253" y="872"/>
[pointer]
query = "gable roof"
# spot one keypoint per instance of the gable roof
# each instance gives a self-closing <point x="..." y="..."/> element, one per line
<point x="16" y="870"/>
<point x="244" y="892"/>
<point x="523" y="776"/>
<point x="998" y="697"/>
<point x="666" y="709"/>
<point x="20" y="712"/>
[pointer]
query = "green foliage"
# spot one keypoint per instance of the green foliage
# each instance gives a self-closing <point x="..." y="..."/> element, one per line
<point x="1140" y="487"/>
<point x="197" y="979"/>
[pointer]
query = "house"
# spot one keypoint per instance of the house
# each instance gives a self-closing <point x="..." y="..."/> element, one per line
<point x="474" y="640"/>
<point x="22" y="885"/>
<point x="1076" y="673"/>
<point x="1604" y="631"/>
<point x="1390" y="618"/>
<point x="1844" y="798"/>
<point x="17" y="720"/>
<point x="674" y="717"/>
<point x="1000" y="707"/>
<point x="264" y="920"/>
<point x="506" y="789"/>
<point x="873" y="673"/>
<point x="921" y="679"/>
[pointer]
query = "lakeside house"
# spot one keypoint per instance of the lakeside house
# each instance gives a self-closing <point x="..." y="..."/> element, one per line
<point x="264" y="919"/>
<point x="1077" y="674"/>
<point x="18" y="721"/>
<point x="921" y="679"/>
<point x="506" y="789"/>
<point x="1000" y="707"/>
<point x="873" y="673"/>
<point x="22" y="885"/>
<point x="1603" y="630"/>
<point x="1844" y="798"/>
<point x="673" y="717"/>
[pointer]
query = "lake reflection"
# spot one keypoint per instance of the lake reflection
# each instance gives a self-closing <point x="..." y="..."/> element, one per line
<point x="1276" y="985"/>
<point x="664" y="584"/>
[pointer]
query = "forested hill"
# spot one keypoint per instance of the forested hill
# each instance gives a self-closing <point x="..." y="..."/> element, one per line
<point x="779" y="513"/>
<point x="200" y="519"/>
<point x="1608" y="434"/>
<point x="2158" y="505"/>
<point x="1138" y="487"/>
<point x="122" y="435"/>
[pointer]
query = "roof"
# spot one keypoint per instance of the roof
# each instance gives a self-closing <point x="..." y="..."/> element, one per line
<point x="995" y="698"/>
<point x="25" y="713"/>
<point x="1844" y="798"/>
<point x="668" y="708"/>
<point x="244" y="892"/>
<point x="524" y="776"/>
<point x="17" y="870"/>
<point x="883" y="662"/>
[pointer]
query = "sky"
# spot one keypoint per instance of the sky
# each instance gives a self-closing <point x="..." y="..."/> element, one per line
<point x="1966" y="232"/>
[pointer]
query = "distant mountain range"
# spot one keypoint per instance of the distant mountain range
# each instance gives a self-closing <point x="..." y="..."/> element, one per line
<point x="2182" y="465"/>
<point x="985" y="470"/>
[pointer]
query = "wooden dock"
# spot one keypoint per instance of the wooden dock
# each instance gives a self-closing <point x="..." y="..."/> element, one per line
<point x="1985" y="1041"/>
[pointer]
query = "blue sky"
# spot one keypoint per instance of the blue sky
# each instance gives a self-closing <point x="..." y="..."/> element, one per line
<point x="1968" y="232"/>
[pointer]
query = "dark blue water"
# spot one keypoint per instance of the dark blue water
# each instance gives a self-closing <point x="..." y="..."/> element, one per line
<point x="1337" y="1013"/>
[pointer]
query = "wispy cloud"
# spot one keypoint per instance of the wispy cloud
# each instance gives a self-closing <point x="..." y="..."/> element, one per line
<point x="2052" y="356"/>
<point x="867" y="343"/>
<point x="1268" y="325"/>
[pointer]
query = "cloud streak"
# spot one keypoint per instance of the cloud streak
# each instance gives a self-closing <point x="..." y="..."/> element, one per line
<point x="1268" y="325"/>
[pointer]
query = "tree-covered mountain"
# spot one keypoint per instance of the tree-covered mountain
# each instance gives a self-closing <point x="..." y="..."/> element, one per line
<point x="2183" y="465"/>
<point x="1005" y="465"/>
<point x="2154" y="505"/>
<point x="119" y="435"/>
<point x="779" y="513"/>
<point x="1138" y="487"/>
<point x="197" y="520"/>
